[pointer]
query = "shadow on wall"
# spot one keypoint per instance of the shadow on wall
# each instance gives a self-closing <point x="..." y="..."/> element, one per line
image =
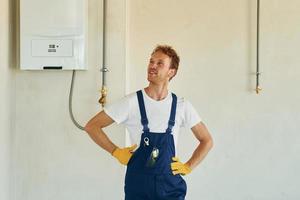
<point x="14" y="33"/>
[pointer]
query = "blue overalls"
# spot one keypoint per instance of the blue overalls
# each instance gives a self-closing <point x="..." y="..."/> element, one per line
<point x="149" y="175"/>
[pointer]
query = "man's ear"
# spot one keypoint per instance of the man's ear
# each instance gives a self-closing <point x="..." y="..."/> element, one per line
<point x="172" y="72"/>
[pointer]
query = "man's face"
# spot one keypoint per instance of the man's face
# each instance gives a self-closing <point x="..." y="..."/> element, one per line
<point x="159" y="68"/>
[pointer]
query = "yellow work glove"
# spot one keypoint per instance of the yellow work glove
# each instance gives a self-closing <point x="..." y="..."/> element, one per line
<point x="124" y="155"/>
<point x="179" y="168"/>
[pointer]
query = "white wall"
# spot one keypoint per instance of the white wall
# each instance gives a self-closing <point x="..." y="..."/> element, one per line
<point x="4" y="101"/>
<point x="256" y="136"/>
<point x="6" y="95"/>
<point x="52" y="158"/>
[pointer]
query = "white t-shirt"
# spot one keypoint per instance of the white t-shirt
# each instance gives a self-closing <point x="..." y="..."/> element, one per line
<point x="126" y="111"/>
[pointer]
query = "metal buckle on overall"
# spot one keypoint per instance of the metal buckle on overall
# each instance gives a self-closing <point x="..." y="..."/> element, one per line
<point x="171" y="123"/>
<point x="146" y="141"/>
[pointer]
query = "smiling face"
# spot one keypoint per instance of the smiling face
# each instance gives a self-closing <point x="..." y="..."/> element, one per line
<point x="159" y="70"/>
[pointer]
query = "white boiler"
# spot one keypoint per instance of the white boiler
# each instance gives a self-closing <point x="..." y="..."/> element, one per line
<point x="53" y="34"/>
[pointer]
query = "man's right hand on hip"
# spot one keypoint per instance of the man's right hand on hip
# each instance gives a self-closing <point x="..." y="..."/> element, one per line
<point x="124" y="155"/>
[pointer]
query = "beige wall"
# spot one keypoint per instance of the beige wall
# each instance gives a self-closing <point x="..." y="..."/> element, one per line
<point x="7" y="90"/>
<point x="4" y="101"/>
<point x="256" y="136"/>
<point x="52" y="158"/>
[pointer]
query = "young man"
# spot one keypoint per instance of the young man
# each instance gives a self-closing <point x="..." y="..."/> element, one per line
<point x="153" y="117"/>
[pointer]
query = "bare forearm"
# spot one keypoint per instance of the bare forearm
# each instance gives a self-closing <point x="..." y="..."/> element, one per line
<point x="199" y="153"/>
<point x="100" y="138"/>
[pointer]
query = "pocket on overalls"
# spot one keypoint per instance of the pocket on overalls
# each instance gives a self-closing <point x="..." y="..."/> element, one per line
<point x="132" y="158"/>
<point x="173" y="186"/>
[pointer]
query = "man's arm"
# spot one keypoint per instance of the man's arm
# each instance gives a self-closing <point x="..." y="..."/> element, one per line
<point x="201" y="133"/>
<point x="94" y="129"/>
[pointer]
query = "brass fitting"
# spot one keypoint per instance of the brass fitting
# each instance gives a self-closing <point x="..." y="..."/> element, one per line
<point x="102" y="100"/>
<point x="258" y="89"/>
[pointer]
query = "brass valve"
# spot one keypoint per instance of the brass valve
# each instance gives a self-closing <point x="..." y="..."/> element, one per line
<point x="102" y="100"/>
<point x="258" y="89"/>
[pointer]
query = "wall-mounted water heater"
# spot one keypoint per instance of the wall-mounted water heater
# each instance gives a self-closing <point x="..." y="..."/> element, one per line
<point x="53" y="34"/>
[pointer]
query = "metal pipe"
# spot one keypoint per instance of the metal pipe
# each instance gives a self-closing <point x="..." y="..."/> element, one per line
<point x="104" y="70"/>
<point x="102" y="100"/>
<point x="258" y="88"/>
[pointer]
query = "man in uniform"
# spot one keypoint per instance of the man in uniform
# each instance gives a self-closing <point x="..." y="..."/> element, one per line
<point x="153" y="117"/>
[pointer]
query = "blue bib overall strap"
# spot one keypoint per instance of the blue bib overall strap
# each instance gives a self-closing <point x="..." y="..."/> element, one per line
<point x="149" y="175"/>
<point x="171" y="122"/>
<point x="144" y="119"/>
